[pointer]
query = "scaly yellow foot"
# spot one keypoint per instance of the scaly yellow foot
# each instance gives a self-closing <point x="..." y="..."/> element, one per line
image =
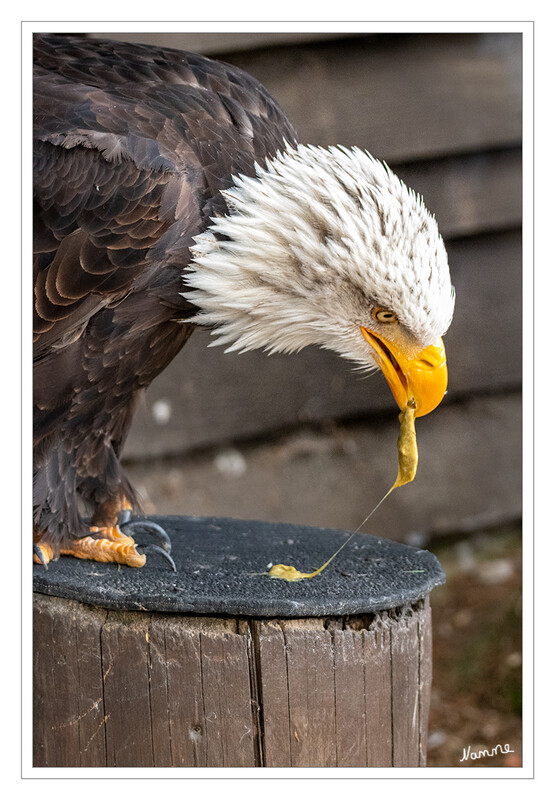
<point x="107" y="545"/>
<point x="104" y="544"/>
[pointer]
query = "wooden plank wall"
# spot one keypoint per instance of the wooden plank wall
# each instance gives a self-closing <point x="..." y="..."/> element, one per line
<point x="445" y="111"/>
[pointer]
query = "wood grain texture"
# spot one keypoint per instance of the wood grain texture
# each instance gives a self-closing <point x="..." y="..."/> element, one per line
<point x="402" y="96"/>
<point x="184" y="685"/>
<point x="215" y="43"/>
<point x="311" y="693"/>
<point x="159" y="692"/>
<point x="378" y="689"/>
<point x="149" y="690"/>
<point x="405" y="692"/>
<point x="125" y="673"/>
<point x="470" y="194"/>
<point x="350" y="712"/>
<point x="425" y="677"/>
<point x="69" y="724"/>
<point x="228" y="713"/>
<point x="274" y="692"/>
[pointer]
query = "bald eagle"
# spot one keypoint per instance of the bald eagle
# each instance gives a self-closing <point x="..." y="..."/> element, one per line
<point x="170" y="191"/>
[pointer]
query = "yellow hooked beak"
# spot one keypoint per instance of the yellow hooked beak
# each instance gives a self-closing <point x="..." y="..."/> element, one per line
<point x="422" y="379"/>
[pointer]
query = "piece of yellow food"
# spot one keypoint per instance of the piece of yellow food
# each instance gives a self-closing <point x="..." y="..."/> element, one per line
<point x="407" y="448"/>
<point x="293" y="575"/>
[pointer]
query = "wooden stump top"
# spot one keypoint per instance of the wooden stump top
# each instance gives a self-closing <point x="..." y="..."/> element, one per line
<point x="219" y="562"/>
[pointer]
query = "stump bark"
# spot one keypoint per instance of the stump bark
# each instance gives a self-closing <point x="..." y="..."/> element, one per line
<point x="184" y="688"/>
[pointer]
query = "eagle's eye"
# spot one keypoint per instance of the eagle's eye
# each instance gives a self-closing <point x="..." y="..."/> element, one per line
<point x="385" y="315"/>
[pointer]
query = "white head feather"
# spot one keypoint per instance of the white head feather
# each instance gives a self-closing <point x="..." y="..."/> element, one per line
<point x="311" y="246"/>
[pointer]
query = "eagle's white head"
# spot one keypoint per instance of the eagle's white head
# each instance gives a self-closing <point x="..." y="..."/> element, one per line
<point x="329" y="247"/>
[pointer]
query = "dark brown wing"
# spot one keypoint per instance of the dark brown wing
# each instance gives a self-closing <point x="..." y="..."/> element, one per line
<point x="132" y="147"/>
<point x="131" y="141"/>
<point x="94" y="225"/>
<point x="163" y="109"/>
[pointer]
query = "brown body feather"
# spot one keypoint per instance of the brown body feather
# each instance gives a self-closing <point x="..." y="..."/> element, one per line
<point x="133" y="145"/>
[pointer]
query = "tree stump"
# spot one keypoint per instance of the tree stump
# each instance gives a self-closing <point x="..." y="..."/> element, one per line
<point x="218" y="665"/>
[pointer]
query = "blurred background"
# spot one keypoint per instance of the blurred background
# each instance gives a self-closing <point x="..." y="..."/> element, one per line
<point x="304" y="439"/>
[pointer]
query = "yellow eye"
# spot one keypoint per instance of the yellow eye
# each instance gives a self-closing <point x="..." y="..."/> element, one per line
<point x="385" y="315"/>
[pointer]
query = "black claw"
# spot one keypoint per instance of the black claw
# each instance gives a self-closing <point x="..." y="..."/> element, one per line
<point x="38" y="552"/>
<point x="155" y="548"/>
<point x="138" y="526"/>
<point x="124" y="516"/>
<point x="145" y="526"/>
